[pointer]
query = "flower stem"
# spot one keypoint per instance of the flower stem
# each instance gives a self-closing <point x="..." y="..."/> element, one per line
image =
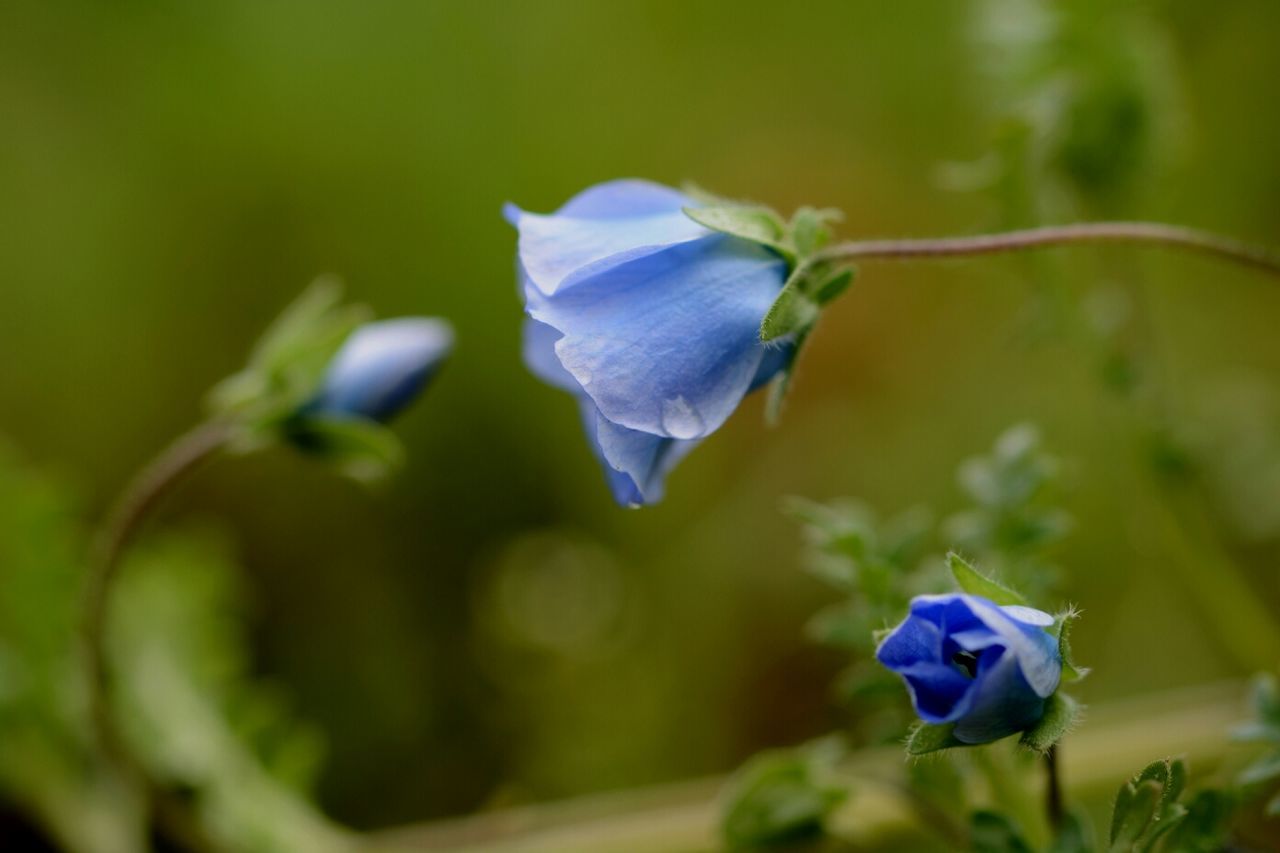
<point x="1151" y="233"/>
<point x="123" y="521"/>
<point x="1053" y="790"/>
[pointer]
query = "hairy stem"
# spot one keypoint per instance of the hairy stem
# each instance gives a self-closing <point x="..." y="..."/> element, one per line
<point x="122" y="522"/>
<point x="1151" y="233"/>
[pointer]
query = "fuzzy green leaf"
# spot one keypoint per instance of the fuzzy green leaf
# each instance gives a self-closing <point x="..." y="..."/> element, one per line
<point x="1060" y="712"/>
<point x="1147" y="806"/>
<point x="972" y="581"/>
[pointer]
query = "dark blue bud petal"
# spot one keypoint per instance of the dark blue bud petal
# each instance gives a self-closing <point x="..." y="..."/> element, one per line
<point x="968" y="661"/>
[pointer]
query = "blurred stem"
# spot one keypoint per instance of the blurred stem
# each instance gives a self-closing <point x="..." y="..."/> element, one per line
<point x="1246" y="627"/>
<point x="1053" y="790"/>
<point x="1009" y="789"/>
<point x="125" y="518"/>
<point x="1150" y="233"/>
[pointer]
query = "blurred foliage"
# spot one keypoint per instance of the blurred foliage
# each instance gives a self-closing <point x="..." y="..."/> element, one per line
<point x="203" y="729"/>
<point x="781" y="796"/>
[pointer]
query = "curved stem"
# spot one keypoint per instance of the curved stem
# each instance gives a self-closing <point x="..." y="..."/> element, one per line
<point x="1151" y="233"/>
<point x="123" y="521"/>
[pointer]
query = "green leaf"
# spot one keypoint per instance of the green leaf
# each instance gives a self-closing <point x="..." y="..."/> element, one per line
<point x="358" y="448"/>
<point x="992" y="832"/>
<point x="972" y="581"/>
<point x="749" y="222"/>
<point x="1265" y="769"/>
<point x="925" y="738"/>
<point x="780" y="796"/>
<point x="1147" y="806"/>
<point x="1060" y="712"/>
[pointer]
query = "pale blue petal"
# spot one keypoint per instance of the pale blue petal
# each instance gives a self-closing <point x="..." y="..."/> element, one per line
<point x="600" y="229"/>
<point x="539" y="350"/>
<point x="382" y="366"/>
<point x="636" y="463"/>
<point x="668" y="344"/>
<point x="1036" y="651"/>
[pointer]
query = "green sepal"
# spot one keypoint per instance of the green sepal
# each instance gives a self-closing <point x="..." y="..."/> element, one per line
<point x="992" y="832"/>
<point x="780" y="386"/>
<point x="1147" y="806"/>
<point x="756" y="223"/>
<point x="926" y="738"/>
<point x="809" y="229"/>
<point x="361" y="449"/>
<point x="1070" y="671"/>
<point x="972" y="581"/>
<point x="793" y="311"/>
<point x="288" y="364"/>
<point x="833" y="286"/>
<point x="1060" y="712"/>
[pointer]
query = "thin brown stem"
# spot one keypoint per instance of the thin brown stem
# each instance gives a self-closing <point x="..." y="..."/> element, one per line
<point x="1150" y="233"/>
<point x="123" y="521"/>
<point x="1053" y="790"/>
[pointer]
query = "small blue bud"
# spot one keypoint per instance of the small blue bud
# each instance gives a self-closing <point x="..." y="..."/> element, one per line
<point x="649" y="319"/>
<point x="966" y="660"/>
<point x="383" y="366"/>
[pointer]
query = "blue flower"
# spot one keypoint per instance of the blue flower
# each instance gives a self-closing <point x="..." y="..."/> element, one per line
<point x="651" y="320"/>
<point x="968" y="661"/>
<point x="382" y="366"/>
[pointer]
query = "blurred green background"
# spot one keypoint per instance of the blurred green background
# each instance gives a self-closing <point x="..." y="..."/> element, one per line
<point x="491" y="629"/>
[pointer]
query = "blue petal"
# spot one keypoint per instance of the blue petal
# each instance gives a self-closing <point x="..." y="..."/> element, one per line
<point x="1002" y="702"/>
<point x="668" y="344"/>
<point x="939" y="693"/>
<point x="601" y="229"/>
<point x="636" y="464"/>
<point x="539" y="351"/>
<point x="1035" y="650"/>
<point x="915" y="641"/>
<point x="382" y="366"/>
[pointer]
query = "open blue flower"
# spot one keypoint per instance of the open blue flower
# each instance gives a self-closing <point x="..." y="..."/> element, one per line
<point x="382" y="366"/>
<point x="968" y="661"/>
<point x="649" y="318"/>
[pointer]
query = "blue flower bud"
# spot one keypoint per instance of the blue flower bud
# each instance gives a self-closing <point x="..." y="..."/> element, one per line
<point x="969" y="661"/>
<point x="382" y="367"/>
<point x="648" y="318"/>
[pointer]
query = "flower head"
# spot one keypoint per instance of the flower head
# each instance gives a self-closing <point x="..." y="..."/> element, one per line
<point x="966" y="660"/>
<point x="651" y="320"/>
<point x="382" y="367"/>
